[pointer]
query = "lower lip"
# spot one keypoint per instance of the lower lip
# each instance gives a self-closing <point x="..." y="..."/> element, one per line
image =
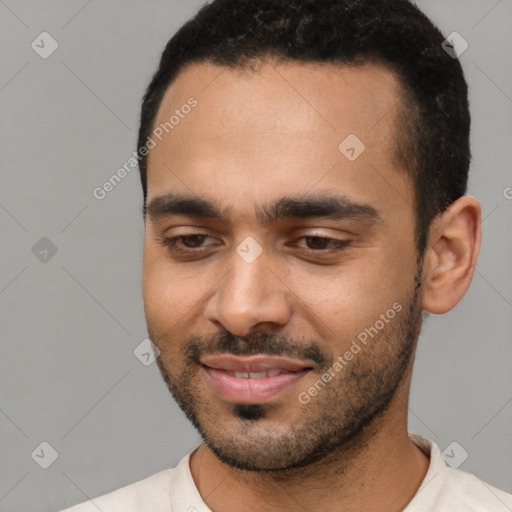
<point x="251" y="391"/>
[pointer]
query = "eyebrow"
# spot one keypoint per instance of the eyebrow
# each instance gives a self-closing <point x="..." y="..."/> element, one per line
<point x="301" y="207"/>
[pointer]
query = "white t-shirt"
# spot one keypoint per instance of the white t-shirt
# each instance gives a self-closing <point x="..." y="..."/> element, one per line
<point x="173" y="490"/>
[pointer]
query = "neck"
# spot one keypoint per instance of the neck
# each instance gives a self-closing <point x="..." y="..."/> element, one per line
<point x="380" y="470"/>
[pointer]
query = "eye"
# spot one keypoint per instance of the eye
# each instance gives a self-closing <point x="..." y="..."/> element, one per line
<point x="324" y="244"/>
<point x="189" y="241"/>
<point x="194" y="243"/>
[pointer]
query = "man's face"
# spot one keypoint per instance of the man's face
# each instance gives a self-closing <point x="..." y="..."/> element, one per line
<point x="259" y="289"/>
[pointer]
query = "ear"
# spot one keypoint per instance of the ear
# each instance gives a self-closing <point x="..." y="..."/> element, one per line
<point x="451" y="255"/>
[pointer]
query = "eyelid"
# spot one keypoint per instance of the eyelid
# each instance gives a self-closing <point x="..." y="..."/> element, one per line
<point x="336" y="244"/>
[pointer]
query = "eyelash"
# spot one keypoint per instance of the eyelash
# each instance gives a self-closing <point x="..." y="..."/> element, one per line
<point x="171" y="243"/>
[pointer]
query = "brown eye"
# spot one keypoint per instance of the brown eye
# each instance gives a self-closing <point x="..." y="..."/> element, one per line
<point x="185" y="242"/>
<point x="193" y="240"/>
<point x="324" y="244"/>
<point x="317" y="242"/>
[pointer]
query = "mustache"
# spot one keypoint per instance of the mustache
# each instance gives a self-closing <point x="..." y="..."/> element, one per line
<point x="258" y="343"/>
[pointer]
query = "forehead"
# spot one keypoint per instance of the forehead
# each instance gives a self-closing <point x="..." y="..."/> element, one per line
<point x="285" y="127"/>
<point x="289" y="97"/>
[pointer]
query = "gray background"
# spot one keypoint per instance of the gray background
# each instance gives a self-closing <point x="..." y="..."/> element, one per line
<point x="68" y="375"/>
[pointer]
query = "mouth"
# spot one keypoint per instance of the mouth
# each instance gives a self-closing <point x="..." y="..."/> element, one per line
<point x="252" y="379"/>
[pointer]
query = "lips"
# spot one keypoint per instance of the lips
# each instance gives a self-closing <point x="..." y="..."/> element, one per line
<point x="256" y="375"/>
<point x="252" y="379"/>
<point x="253" y="364"/>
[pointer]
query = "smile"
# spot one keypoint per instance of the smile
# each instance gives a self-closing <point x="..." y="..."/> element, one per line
<point x="252" y="379"/>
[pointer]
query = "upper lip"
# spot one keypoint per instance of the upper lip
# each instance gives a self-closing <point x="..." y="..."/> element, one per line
<point x="254" y="363"/>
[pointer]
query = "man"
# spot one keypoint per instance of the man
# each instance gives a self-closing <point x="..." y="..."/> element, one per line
<point x="304" y="165"/>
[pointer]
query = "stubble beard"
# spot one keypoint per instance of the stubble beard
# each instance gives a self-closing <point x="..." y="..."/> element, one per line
<point x="340" y="419"/>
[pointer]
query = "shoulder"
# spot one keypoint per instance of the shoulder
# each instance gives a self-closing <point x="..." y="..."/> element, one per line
<point x="454" y="490"/>
<point x="476" y="494"/>
<point x="151" y="493"/>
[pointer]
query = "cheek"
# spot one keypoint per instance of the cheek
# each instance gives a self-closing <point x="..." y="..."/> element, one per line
<point x="343" y="302"/>
<point x="173" y="299"/>
<point x="165" y="308"/>
<point x="162" y="295"/>
<point x="166" y="298"/>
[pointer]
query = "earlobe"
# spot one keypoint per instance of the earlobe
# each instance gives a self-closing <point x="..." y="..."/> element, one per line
<point x="451" y="255"/>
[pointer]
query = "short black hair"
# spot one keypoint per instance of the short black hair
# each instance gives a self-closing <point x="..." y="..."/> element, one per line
<point x="431" y="142"/>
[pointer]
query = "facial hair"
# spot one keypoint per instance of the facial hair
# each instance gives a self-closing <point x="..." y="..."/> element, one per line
<point x="336" y="419"/>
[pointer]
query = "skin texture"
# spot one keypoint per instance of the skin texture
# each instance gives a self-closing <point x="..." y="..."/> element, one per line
<point x="253" y="138"/>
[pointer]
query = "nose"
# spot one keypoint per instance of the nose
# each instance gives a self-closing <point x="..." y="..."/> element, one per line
<point x="249" y="296"/>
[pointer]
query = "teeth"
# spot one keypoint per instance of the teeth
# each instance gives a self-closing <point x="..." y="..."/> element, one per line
<point x="255" y="375"/>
